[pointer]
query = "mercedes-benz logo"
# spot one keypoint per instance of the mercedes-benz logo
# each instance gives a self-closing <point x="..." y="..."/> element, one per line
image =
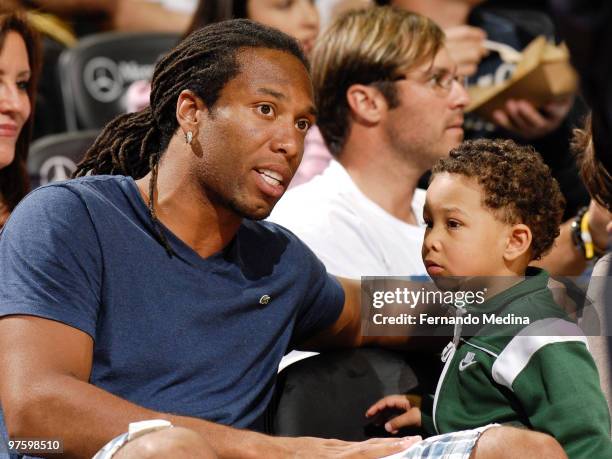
<point x="102" y="79"/>
<point x="56" y="168"/>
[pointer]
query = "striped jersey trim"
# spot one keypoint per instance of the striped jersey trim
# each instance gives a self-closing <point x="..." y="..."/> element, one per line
<point x="519" y="351"/>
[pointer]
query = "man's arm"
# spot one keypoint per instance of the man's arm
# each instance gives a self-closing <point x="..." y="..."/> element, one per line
<point x="45" y="394"/>
<point x="346" y="331"/>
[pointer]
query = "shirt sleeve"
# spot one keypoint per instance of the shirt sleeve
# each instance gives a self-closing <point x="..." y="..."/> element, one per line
<point x="559" y="390"/>
<point x="323" y="301"/>
<point x="50" y="260"/>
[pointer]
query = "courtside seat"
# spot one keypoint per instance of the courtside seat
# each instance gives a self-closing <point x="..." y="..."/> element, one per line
<point x="54" y="157"/>
<point x="327" y="395"/>
<point x="96" y="73"/>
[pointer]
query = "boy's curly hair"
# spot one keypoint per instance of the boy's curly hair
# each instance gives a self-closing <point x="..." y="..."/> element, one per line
<point x="517" y="186"/>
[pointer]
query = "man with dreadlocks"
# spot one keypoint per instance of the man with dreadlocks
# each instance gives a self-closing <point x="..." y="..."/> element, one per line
<point x="146" y="286"/>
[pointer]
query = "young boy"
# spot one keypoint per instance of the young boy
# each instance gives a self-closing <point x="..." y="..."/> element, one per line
<point x="492" y="207"/>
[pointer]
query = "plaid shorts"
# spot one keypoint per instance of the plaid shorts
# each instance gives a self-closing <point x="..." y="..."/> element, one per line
<point x="454" y="445"/>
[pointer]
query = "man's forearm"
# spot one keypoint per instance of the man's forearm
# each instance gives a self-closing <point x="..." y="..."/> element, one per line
<point x="348" y="332"/>
<point x="86" y="417"/>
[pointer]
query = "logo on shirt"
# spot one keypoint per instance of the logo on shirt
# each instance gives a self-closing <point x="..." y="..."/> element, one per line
<point x="265" y="299"/>
<point x="467" y="361"/>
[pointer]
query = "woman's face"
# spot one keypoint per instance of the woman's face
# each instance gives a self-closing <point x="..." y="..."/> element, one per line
<point x="298" y="18"/>
<point x="15" y="105"/>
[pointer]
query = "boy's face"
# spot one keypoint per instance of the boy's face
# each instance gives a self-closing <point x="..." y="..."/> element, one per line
<point x="463" y="238"/>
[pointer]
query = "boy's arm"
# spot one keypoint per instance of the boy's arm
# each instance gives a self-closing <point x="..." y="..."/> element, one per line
<point x="409" y="416"/>
<point x="560" y="393"/>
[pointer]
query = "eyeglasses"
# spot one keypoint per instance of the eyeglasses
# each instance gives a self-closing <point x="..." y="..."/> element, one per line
<point x="438" y="79"/>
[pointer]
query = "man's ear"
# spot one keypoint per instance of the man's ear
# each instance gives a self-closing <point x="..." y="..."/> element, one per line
<point x="518" y="243"/>
<point x="189" y="109"/>
<point x="366" y="103"/>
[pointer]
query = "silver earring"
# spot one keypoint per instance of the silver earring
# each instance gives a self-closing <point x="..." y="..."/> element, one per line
<point x="188" y="137"/>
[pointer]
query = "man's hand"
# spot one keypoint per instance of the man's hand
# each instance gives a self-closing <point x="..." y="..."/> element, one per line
<point x="523" y="119"/>
<point x="410" y="418"/>
<point x="465" y="45"/>
<point x="317" y="448"/>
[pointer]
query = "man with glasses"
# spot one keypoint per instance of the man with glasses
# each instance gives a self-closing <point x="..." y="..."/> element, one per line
<point x="390" y="105"/>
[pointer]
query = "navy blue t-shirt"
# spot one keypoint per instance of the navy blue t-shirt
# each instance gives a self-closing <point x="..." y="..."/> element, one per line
<point x="185" y="335"/>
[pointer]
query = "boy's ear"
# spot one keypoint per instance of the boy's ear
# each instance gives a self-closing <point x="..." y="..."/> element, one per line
<point x="366" y="103"/>
<point x="519" y="242"/>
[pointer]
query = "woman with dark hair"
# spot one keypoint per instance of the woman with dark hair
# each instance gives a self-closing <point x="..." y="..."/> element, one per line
<point x="19" y="64"/>
<point x="595" y="176"/>
<point x="592" y="224"/>
<point x="298" y="18"/>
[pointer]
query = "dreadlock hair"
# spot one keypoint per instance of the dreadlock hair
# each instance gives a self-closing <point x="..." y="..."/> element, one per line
<point x="204" y="62"/>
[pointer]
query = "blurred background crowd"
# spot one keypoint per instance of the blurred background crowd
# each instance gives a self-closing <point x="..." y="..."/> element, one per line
<point x="80" y="92"/>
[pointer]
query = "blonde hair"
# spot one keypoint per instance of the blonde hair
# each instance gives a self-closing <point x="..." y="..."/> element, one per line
<point x="373" y="46"/>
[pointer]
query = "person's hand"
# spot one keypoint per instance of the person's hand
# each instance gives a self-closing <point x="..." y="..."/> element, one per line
<point x="465" y="46"/>
<point x="318" y="448"/>
<point x="523" y="119"/>
<point x="600" y="224"/>
<point x="410" y="418"/>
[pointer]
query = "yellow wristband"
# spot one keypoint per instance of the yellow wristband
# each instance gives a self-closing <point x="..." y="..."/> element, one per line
<point x="585" y="235"/>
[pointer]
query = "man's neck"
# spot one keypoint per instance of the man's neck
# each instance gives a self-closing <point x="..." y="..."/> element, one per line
<point x="444" y="12"/>
<point x="185" y="210"/>
<point x="383" y="177"/>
